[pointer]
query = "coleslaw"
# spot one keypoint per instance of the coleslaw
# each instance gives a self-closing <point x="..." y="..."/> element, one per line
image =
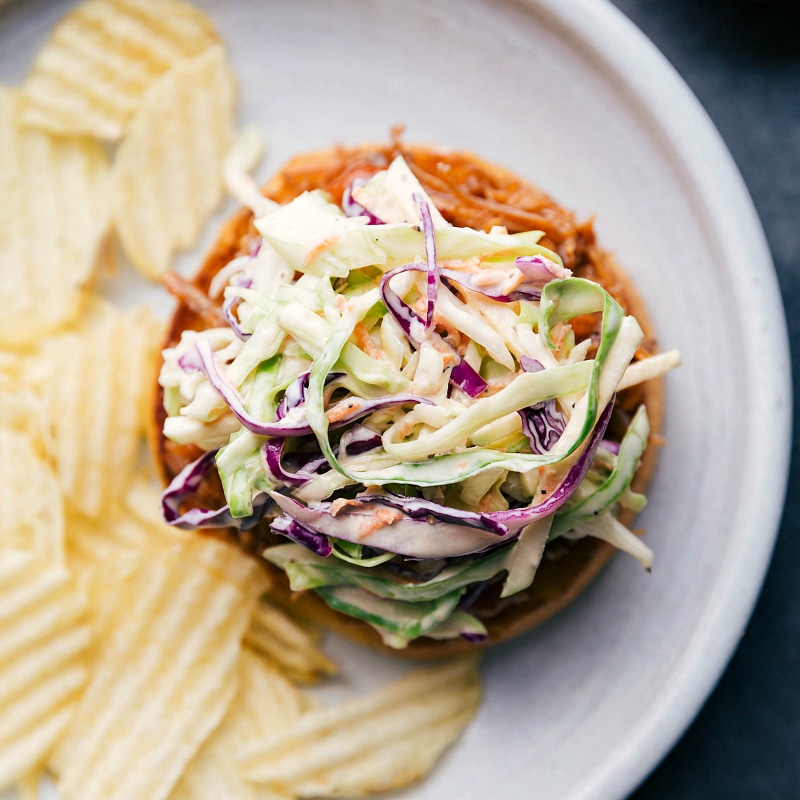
<point x="406" y="403"/>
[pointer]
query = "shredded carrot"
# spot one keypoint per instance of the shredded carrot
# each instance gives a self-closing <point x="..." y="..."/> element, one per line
<point x="364" y="341"/>
<point x="341" y="410"/>
<point x="380" y="519"/>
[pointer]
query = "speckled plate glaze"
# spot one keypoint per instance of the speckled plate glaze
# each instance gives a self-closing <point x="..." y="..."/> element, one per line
<point x="574" y="97"/>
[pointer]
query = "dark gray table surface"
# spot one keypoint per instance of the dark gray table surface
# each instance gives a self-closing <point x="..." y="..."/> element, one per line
<point x="742" y="60"/>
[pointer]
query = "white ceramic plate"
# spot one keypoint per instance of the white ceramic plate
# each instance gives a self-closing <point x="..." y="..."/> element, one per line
<point x="571" y="95"/>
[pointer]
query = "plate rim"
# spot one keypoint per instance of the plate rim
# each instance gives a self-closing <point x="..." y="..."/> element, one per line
<point x="637" y="65"/>
<point x="659" y="90"/>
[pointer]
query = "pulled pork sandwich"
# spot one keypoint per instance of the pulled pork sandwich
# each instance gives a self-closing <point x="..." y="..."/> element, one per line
<point x="414" y="386"/>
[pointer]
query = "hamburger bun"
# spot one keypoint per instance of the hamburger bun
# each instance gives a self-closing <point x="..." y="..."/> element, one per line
<point x="469" y="192"/>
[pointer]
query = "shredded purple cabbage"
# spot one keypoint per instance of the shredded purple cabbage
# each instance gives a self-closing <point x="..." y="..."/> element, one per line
<point x="430" y="257"/>
<point x="611" y="446"/>
<point x="530" y="364"/>
<point x="201" y="357"/>
<point x="405" y="316"/>
<point x="419" y="508"/>
<point x="424" y="523"/>
<point x="358" y="439"/>
<point x="354" y="209"/>
<point x="292" y="529"/>
<point x="467" y="280"/>
<point x="295" y="395"/>
<point x="540" y="269"/>
<point x="230" y="305"/>
<point x="463" y="376"/>
<point x="414" y="538"/>
<point x="513" y="517"/>
<point x="273" y="453"/>
<point x="186" y="483"/>
<point x="537" y="270"/>
<point x="542" y="422"/>
<point x="499" y="523"/>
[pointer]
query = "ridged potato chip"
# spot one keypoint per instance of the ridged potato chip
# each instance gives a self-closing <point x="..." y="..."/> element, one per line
<point x="11" y="365"/>
<point x="94" y="381"/>
<point x="23" y="411"/>
<point x="167" y="174"/>
<point x="141" y="505"/>
<point x="55" y="212"/>
<point x="99" y="60"/>
<point x="268" y="702"/>
<point x="44" y="639"/>
<point x="165" y="675"/>
<point x="265" y="704"/>
<point x="392" y="765"/>
<point x="291" y="647"/>
<point x="100" y="583"/>
<point x="30" y="499"/>
<point x="131" y="526"/>
<point x="383" y="741"/>
<point x="28" y="786"/>
<point x="138" y="522"/>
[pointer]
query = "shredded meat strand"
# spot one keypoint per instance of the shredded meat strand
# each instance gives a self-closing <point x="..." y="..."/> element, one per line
<point x="197" y="300"/>
<point x="467" y="195"/>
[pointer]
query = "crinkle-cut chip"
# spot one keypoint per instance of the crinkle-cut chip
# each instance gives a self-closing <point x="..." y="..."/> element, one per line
<point x="375" y="743"/>
<point x="55" y="210"/>
<point x="101" y="582"/>
<point x="167" y="174"/>
<point x="266" y="704"/>
<point x="44" y="638"/>
<point x="290" y="646"/>
<point x="94" y="381"/>
<point x="133" y="525"/>
<point x="165" y="674"/>
<point x="30" y="499"/>
<point x="393" y="765"/>
<point x="90" y="75"/>
<point x="28" y="786"/>
<point x="132" y="531"/>
<point x="11" y="369"/>
<point x="142" y="506"/>
<point x="94" y="541"/>
<point x="215" y="786"/>
<point x="23" y="410"/>
<point x="269" y="703"/>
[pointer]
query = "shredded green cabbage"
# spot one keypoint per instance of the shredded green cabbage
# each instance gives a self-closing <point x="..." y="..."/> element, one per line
<point x="321" y="331"/>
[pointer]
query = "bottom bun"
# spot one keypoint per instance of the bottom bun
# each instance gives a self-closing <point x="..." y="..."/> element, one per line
<point x="469" y="192"/>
